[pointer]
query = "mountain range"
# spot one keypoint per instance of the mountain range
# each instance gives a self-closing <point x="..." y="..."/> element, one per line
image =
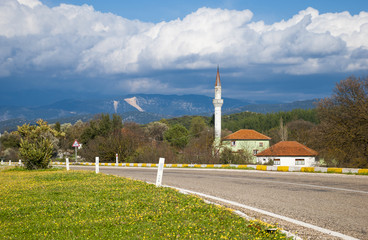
<point x="140" y="108"/>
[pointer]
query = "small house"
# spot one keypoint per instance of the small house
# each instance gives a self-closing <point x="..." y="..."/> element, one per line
<point x="288" y="153"/>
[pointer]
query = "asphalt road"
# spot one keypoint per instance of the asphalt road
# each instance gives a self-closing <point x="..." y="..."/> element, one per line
<point x="332" y="201"/>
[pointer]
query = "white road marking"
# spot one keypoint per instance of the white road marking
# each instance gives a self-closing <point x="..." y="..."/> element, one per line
<point x="294" y="221"/>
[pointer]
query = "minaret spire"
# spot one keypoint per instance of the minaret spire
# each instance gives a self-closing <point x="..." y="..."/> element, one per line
<point x="217" y="103"/>
<point x="218" y="82"/>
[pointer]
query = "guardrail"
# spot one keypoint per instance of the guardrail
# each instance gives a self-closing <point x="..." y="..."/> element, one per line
<point x="255" y="167"/>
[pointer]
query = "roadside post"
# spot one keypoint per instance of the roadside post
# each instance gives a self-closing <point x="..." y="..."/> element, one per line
<point x="67" y="164"/>
<point x="160" y="172"/>
<point x="97" y="164"/>
<point x="20" y="162"/>
<point x="117" y="160"/>
<point x="9" y="162"/>
<point x="76" y="145"/>
<point x="2" y="162"/>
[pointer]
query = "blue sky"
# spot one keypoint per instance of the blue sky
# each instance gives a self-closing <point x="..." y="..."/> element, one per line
<point x="280" y="51"/>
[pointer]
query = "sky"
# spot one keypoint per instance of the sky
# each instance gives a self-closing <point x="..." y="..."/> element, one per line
<point x="267" y="51"/>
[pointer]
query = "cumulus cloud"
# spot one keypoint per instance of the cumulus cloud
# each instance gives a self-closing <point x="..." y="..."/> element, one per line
<point x="70" y="39"/>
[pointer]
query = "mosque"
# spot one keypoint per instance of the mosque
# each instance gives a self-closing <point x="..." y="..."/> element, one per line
<point x="285" y="153"/>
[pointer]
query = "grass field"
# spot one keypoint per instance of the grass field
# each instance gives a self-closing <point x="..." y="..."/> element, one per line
<point x="55" y="204"/>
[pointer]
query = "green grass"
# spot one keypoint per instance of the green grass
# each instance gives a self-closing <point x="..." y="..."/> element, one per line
<point x="84" y="205"/>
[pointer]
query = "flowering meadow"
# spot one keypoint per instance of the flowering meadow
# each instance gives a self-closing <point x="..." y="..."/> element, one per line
<point x="56" y="204"/>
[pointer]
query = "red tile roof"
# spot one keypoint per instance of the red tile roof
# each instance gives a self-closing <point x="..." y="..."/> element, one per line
<point x="246" y="134"/>
<point x="288" y="148"/>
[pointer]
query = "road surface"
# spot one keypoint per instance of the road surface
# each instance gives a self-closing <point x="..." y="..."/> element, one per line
<point x="331" y="201"/>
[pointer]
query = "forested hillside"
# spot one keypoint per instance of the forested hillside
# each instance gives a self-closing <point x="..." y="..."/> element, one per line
<point x="298" y="120"/>
<point x="264" y="122"/>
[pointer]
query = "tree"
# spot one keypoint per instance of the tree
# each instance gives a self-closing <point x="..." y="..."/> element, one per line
<point x="9" y="140"/>
<point x="300" y="131"/>
<point x="197" y="126"/>
<point x="177" y="136"/>
<point x="283" y="131"/>
<point x="156" y="130"/>
<point x="124" y="142"/>
<point x="9" y="144"/>
<point x="342" y="134"/>
<point x="117" y="122"/>
<point x="200" y="147"/>
<point x="57" y="126"/>
<point x="37" y="144"/>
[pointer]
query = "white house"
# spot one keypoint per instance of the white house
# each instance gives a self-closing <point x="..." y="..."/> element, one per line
<point x="288" y="153"/>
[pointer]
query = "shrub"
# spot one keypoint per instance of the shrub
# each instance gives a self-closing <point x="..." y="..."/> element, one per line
<point x="36" y="155"/>
<point x="37" y="144"/>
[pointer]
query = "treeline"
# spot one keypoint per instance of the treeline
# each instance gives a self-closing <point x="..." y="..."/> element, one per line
<point x="297" y="122"/>
<point x="265" y="122"/>
<point x="337" y="129"/>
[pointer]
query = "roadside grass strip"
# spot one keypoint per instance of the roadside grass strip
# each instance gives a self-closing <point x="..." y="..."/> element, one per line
<point x="56" y="204"/>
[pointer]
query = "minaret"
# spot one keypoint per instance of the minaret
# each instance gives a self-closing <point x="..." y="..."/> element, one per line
<point x="217" y="103"/>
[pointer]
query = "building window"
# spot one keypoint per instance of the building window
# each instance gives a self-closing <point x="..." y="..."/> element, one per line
<point x="261" y="144"/>
<point x="255" y="152"/>
<point x="233" y="143"/>
<point x="276" y="162"/>
<point x="299" y="162"/>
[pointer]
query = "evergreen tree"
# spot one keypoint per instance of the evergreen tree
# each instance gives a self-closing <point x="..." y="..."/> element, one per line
<point x="177" y="136"/>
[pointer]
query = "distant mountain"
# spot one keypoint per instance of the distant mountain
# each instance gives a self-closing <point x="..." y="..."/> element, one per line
<point x="140" y="108"/>
<point x="168" y="105"/>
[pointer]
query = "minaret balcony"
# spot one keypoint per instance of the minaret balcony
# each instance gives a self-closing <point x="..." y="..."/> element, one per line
<point x="217" y="102"/>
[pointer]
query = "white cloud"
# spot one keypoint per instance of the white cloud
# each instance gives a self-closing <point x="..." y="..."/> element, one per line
<point x="77" y="39"/>
<point x="30" y="3"/>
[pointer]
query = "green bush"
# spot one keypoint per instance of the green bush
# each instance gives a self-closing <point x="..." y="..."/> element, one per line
<point x="229" y="157"/>
<point x="36" y="155"/>
<point x="37" y="144"/>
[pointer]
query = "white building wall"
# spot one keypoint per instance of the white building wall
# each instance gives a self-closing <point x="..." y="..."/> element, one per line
<point x="289" y="161"/>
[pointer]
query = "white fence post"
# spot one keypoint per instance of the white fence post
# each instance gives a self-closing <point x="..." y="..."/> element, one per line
<point x="97" y="164"/>
<point x="67" y="164"/>
<point x="160" y="172"/>
<point x="117" y="160"/>
<point x="20" y="162"/>
<point x="9" y="162"/>
<point x="2" y="162"/>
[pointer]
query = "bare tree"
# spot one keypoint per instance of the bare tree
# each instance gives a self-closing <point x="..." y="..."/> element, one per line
<point x="283" y="131"/>
<point x="342" y="135"/>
